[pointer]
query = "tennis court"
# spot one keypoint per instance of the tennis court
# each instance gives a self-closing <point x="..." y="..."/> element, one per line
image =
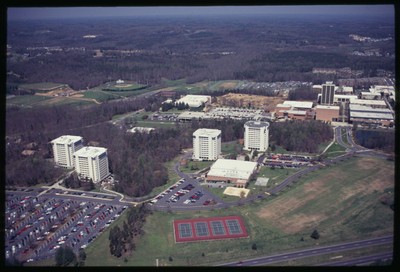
<point x="210" y="228"/>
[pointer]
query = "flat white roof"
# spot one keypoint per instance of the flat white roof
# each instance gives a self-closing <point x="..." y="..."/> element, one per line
<point x="257" y="124"/>
<point x="363" y="108"/>
<point x="299" y="104"/>
<point x="140" y="129"/>
<point x="207" y="132"/>
<point x="369" y="102"/>
<point x="371" y="115"/>
<point x="296" y="112"/>
<point x="90" y="151"/>
<point x="232" y="169"/>
<point x="194" y="100"/>
<point x="345" y="89"/>
<point x="67" y="139"/>
<point x="325" y="107"/>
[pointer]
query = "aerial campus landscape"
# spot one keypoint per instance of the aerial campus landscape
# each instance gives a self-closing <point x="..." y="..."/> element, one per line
<point x="200" y="136"/>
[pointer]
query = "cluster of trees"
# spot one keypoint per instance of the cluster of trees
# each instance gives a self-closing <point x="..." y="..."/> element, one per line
<point x="268" y="49"/>
<point x="304" y="93"/>
<point x="74" y="181"/>
<point x="375" y="139"/>
<point x="300" y="136"/>
<point x="65" y="256"/>
<point x="122" y="241"/>
<point x="178" y="106"/>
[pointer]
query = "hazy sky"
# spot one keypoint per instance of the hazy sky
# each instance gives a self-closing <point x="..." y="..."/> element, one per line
<point x="81" y="12"/>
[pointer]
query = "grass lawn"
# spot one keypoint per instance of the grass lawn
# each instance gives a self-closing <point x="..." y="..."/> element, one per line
<point x="197" y="165"/>
<point x="40" y="86"/>
<point x="231" y="147"/>
<point x="344" y="136"/>
<point x="99" y="95"/>
<point x="155" y="124"/>
<point x="276" y="224"/>
<point x="275" y="176"/>
<point x="335" y="150"/>
<point x="26" y="100"/>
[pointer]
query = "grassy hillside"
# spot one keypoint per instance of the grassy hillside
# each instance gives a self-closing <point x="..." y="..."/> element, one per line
<point x="341" y="201"/>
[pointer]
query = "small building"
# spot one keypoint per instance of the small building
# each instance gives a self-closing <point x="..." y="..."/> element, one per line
<point x="231" y="171"/>
<point x="327" y="113"/>
<point x="120" y="81"/>
<point x="140" y="129"/>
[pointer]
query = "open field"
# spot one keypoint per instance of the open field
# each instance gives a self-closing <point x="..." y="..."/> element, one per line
<point x="276" y="224"/>
<point x="275" y="176"/>
<point x="194" y="166"/>
<point x="26" y="100"/>
<point x="41" y="86"/>
<point x="335" y="150"/>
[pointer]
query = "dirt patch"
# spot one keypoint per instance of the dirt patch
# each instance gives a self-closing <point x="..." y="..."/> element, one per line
<point x="227" y="85"/>
<point x="245" y="100"/>
<point x="77" y="95"/>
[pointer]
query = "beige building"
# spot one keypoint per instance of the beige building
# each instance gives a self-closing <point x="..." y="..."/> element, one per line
<point x="327" y="113"/>
<point x="92" y="162"/>
<point x="63" y="149"/>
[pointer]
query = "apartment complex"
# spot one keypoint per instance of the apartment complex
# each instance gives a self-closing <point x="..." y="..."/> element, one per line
<point x="206" y="144"/>
<point x="92" y="162"/>
<point x="64" y="148"/>
<point x="256" y="136"/>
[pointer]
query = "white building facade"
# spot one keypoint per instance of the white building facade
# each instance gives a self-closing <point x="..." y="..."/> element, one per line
<point x="256" y="136"/>
<point x="206" y="144"/>
<point x="64" y="148"/>
<point x="328" y="93"/>
<point x="92" y="162"/>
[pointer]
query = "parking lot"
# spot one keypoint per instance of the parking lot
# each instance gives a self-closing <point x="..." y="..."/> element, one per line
<point x="287" y="161"/>
<point x="35" y="226"/>
<point x="184" y="193"/>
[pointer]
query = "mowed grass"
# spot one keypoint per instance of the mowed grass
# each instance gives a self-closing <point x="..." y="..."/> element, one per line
<point x="26" y="100"/>
<point x="40" y="85"/>
<point x="335" y="150"/>
<point x="340" y="201"/>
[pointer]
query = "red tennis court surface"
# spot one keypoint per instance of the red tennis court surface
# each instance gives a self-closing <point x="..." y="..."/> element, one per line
<point x="210" y="228"/>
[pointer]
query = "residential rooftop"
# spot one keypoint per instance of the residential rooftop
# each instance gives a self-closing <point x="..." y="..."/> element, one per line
<point x="90" y="151"/>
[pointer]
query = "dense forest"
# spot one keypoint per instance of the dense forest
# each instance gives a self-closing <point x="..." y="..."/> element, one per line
<point x="376" y="139"/>
<point x="301" y="136"/>
<point x="146" y="50"/>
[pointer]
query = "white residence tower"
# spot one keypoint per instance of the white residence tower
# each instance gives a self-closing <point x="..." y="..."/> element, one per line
<point x="63" y="149"/>
<point x="256" y="136"/>
<point x="206" y="144"/>
<point x="92" y="162"/>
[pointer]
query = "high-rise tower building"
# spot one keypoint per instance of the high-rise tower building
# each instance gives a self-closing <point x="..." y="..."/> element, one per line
<point x="92" y="162"/>
<point x="328" y="93"/>
<point x="206" y="144"/>
<point x="63" y="149"/>
<point x="256" y="136"/>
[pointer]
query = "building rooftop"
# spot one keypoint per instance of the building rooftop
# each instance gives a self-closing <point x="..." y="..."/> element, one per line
<point x="67" y="139"/>
<point x="194" y="101"/>
<point x="191" y="114"/>
<point x="363" y="108"/>
<point x="299" y="104"/>
<point x="369" y="102"/>
<point x="256" y="124"/>
<point x="207" y="132"/>
<point x="296" y="112"/>
<point x="140" y="129"/>
<point x="232" y="169"/>
<point x="371" y="115"/>
<point x="326" y="107"/>
<point x="90" y="151"/>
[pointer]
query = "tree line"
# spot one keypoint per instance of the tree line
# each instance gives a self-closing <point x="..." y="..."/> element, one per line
<point x="122" y="240"/>
<point x="300" y="136"/>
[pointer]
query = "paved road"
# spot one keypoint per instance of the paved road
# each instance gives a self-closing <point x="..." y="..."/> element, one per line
<point x="361" y="260"/>
<point x="312" y="252"/>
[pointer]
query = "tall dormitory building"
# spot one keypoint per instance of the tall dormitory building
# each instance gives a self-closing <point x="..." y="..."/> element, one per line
<point x="256" y="136"/>
<point x="328" y="93"/>
<point x="92" y="162"/>
<point x="64" y="148"/>
<point x="206" y="144"/>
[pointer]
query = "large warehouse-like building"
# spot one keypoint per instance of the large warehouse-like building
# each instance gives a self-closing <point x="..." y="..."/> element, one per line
<point x="195" y="101"/>
<point x="92" y="162"/>
<point x="256" y="136"/>
<point x="63" y="149"/>
<point x="234" y="172"/>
